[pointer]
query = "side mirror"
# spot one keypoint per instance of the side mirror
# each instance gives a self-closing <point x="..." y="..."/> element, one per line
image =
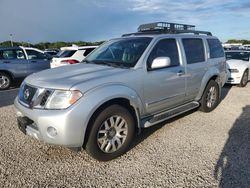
<point x="161" y="62"/>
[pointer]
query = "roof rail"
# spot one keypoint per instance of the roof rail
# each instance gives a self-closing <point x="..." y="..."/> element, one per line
<point x="167" y="28"/>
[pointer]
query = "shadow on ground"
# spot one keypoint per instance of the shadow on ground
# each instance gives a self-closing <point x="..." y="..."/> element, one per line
<point x="7" y="97"/>
<point x="145" y="133"/>
<point x="148" y="131"/>
<point x="225" y="90"/>
<point x="233" y="166"/>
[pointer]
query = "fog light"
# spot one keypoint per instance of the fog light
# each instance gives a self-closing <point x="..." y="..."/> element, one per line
<point x="52" y="131"/>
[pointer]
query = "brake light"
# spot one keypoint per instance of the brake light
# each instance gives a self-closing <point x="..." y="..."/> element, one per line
<point x="69" y="61"/>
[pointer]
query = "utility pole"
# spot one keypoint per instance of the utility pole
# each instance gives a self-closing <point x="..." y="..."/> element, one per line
<point x="11" y="40"/>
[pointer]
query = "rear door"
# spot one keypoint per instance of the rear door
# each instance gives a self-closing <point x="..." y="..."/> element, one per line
<point x="14" y="61"/>
<point x="196" y="65"/>
<point x="38" y="61"/>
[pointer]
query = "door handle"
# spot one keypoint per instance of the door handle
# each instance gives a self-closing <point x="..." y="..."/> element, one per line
<point x="33" y="61"/>
<point x="6" y="62"/>
<point x="180" y="73"/>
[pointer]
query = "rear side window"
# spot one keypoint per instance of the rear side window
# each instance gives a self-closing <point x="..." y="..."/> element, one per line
<point x="165" y="48"/>
<point x="12" y="54"/>
<point x="87" y="51"/>
<point x="215" y="48"/>
<point x="66" y="53"/>
<point x="194" y="50"/>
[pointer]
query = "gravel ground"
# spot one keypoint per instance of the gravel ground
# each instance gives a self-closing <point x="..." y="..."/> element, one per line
<point x="194" y="150"/>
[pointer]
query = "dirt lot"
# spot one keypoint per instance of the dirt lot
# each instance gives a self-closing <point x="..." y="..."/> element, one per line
<point x="194" y="150"/>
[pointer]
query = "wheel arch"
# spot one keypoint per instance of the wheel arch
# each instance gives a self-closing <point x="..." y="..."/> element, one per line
<point x="209" y="76"/>
<point x="122" y="101"/>
<point x="8" y="73"/>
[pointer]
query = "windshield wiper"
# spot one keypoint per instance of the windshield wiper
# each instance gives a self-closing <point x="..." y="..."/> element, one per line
<point x="111" y="64"/>
<point x="87" y="61"/>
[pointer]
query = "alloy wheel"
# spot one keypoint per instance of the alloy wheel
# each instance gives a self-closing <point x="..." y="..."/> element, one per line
<point x="112" y="134"/>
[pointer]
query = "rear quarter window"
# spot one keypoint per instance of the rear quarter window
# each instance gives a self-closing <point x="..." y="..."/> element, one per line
<point x="194" y="50"/>
<point x="215" y="48"/>
<point x="66" y="53"/>
<point x="88" y="51"/>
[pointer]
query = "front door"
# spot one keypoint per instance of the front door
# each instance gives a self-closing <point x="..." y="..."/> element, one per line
<point x="14" y="61"/>
<point x="37" y="61"/>
<point x="164" y="88"/>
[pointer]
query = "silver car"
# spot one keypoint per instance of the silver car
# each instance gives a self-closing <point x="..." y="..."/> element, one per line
<point x="126" y="84"/>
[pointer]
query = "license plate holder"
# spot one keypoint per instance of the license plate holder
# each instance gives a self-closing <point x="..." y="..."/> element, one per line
<point x="23" y="122"/>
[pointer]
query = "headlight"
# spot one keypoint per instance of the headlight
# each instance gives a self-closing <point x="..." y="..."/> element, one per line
<point x="233" y="70"/>
<point x="62" y="99"/>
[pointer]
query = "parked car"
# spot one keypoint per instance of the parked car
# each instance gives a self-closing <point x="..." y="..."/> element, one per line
<point x="51" y="52"/>
<point x="238" y="64"/>
<point x="127" y="84"/>
<point x="19" y="62"/>
<point x="71" y="55"/>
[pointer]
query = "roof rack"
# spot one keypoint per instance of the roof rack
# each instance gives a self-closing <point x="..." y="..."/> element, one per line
<point x="167" y="28"/>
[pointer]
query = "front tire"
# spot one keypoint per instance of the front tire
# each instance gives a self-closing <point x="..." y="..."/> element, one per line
<point x="5" y="81"/>
<point x="210" y="98"/>
<point x="244" y="79"/>
<point x="111" y="134"/>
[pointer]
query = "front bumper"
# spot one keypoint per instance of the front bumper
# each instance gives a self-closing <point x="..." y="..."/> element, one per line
<point x="59" y="127"/>
<point x="233" y="78"/>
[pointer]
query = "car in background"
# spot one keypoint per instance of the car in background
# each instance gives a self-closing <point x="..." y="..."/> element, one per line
<point x="246" y="46"/>
<point x="238" y="65"/>
<point x="19" y="62"/>
<point x="71" y="55"/>
<point x="51" y="52"/>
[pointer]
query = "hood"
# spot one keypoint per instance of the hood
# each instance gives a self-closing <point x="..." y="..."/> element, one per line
<point x="66" y="77"/>
<point x="234" y="64"/>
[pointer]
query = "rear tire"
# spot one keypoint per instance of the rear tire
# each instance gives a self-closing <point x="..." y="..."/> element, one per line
<point x="5" y="81"/>
<point x="111" y="134"/>
<point x="244" y="79"/>
<point x="210" y="98"/>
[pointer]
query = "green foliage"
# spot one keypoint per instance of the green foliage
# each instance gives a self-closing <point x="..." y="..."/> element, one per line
<point x="49" y="45"/>
<point x="238" y="41"/>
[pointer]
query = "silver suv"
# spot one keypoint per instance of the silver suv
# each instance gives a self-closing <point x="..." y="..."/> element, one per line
<point x="126" y="84"/>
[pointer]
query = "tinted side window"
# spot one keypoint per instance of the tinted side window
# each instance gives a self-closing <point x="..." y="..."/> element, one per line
<point x="32" y="54"/>
<point x="20" y="54"/>
<point x="12" y="54"/>
<point x="87" y="51"/>
<point x="66" y="53"/>
<point x="215" y="48"/>
<point x="194" y="50"/>
<point x="8" y="54"/>
<point x="165" y="48"/>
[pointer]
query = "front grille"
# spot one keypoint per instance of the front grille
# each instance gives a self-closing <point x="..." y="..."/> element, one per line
<point x="27" y="93"/>
<point x="45" y="97"/>
<point x="33" y="97"/>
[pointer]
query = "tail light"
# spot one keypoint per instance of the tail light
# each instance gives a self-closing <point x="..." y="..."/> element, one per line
<point x="69" y="61"/>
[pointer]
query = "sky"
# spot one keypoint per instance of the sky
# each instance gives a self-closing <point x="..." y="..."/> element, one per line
<point x="96" y="20"/>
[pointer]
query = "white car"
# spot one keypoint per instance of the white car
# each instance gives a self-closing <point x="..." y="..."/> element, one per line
<point x="238" y="65"/>
<point x="71" y="55"/>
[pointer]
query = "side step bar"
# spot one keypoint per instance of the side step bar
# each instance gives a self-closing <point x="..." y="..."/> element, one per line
<point x="170" y="114"/>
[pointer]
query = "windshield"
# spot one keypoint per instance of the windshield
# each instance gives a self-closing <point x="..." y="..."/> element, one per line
<point x="238" y="55"/>
<point x="66" y="53"/>
<point x="124" y="52"/>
